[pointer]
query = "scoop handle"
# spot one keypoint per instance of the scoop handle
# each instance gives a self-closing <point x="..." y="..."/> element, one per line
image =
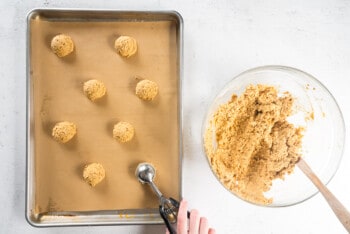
<point x="338" y="208"/>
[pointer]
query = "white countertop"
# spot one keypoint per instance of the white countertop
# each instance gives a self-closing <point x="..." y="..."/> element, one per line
<point x="222" y="38"/>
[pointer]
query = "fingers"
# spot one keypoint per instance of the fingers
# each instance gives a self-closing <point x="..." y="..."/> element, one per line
<point x="167" y="231"/>
<point x="197" y="224"/>
<point x="182" y="218"/>
<point x="194" y="222"/>
<point x="203" y="226"/>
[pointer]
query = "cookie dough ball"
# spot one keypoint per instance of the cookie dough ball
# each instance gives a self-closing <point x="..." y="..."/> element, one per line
<point x="64" y="131"/>
<point x="123" y="132"/>
<point x="126" y="46"/>
<point x="62" y="45"/>
<point x="146" y="90"/>
<point x="94" y="89"/>
<point x="93" y="174"/>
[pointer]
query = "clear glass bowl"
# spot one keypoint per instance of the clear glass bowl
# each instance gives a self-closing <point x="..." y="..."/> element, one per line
<point x="324" y="137"/>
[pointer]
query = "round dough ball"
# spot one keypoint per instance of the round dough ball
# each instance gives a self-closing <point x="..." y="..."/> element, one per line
<point x="94" y="89"/>
<point x="146" y="90"/>
<point x="62" y="45"/>
<point x="123" y="132"/>
<point x="94" y="173"/>
<point x="126" y="46"/>
<point x="64" y="131"/>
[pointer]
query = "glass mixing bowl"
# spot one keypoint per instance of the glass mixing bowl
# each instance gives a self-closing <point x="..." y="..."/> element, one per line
<point x="317" y="111"/>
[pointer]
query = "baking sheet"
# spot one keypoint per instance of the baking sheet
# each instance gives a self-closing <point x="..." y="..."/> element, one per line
<point x="56" y="193"/>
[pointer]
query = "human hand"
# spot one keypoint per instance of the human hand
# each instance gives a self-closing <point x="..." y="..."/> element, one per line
<point x="197" y="224"/>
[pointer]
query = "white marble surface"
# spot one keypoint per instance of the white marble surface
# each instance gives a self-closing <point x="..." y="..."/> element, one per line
<point x="222" y="39"/>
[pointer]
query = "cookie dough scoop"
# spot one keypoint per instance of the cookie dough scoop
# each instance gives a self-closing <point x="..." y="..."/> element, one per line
<point x="168" y="207"/>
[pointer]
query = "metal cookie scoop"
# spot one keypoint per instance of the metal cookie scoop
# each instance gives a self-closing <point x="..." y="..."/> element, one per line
<point x="168" y="207"/>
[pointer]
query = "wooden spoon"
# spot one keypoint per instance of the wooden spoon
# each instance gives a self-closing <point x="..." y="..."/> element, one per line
<point x="338" y="208"/>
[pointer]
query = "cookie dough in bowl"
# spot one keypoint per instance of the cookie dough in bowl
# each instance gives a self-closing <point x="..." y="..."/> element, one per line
<point x="258" y="127"/>
<point x="255" y="143"/>
<point x="62" y="45"/>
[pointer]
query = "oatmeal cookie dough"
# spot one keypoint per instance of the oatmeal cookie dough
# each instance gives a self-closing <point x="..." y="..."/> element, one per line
<point x="94" y="89"/>
<point x="123" y="132"/>
<point x="253" y="143"/>
<point x="93" y="174"/>
<point x="62" y="45"/>
<point x="64" y="131"/>
<point x="126" y="46"/>
<point x="146" y="90"/>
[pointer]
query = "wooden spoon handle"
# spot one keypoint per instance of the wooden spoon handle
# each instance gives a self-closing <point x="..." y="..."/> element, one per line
<point x="338" y="208"/>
